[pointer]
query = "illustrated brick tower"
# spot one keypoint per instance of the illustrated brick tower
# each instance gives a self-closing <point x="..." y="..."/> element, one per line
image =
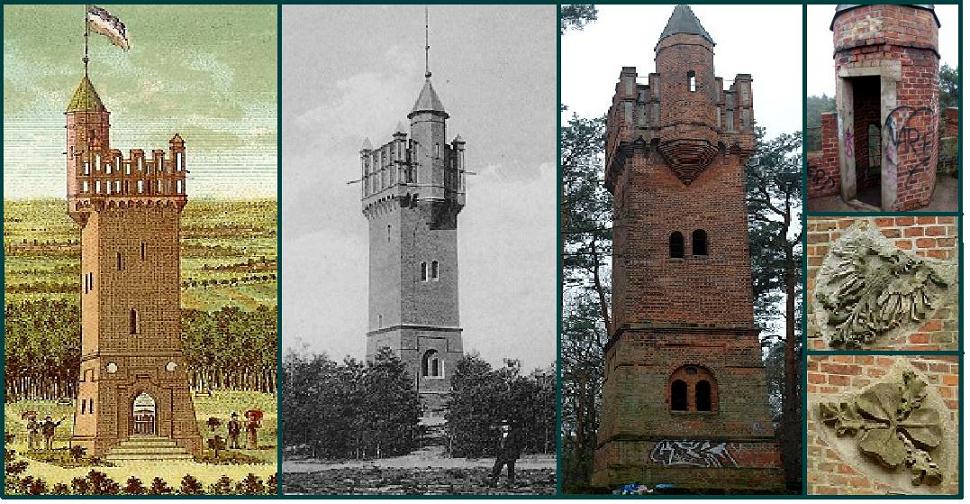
<point x="133" y="384"/>
<point x="685" y="400"/>
<point x="887" y="103"/>
<point x="413" y="190"/>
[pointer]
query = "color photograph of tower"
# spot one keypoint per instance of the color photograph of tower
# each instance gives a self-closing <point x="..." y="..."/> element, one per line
<point x="685" y="401"/>
<point x="883" y="134"/>
<point x="140" y="337"/>
<point x="412" y="330"/>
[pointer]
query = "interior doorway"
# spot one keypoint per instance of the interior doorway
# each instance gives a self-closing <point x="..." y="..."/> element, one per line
<point x="143" y="414"/>
<point x="865" y="138"/>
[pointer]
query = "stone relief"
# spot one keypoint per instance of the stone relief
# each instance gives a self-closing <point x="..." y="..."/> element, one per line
<point x="692" y="453"/>
<point x="867" y="288"/>
<point x="897" y="428"/>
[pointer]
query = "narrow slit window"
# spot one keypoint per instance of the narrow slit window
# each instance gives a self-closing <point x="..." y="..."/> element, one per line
<point x="120" y="261"/>
<point x="144" y="248"/>
<point x="434" y="270"/>
<point x="133" y="321"/>
<point x="692" y="81"/>
<point x="424" y="272"/>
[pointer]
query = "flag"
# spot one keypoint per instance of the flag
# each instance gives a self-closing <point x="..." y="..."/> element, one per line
<point x="104" y="23"/>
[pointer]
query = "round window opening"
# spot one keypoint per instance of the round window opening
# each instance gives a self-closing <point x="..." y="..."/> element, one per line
<point x="171" y="366"/>
<point x="112" y="367"/>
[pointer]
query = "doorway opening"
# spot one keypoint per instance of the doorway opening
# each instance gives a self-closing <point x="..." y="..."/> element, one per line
<point x="865" y="138"/>
<point x="143" y="414"/>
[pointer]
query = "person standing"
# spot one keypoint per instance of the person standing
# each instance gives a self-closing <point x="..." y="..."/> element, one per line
<point x="33" y="433"/>
<point x="48" y="428"/>
<point x="235" y="427"/>
<point x="509" y="447"/>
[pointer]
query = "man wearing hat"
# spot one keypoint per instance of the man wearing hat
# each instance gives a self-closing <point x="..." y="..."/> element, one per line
<point x="235" y="427"/>
<point x="48" y="428"/>
<point x="508" y="450"/>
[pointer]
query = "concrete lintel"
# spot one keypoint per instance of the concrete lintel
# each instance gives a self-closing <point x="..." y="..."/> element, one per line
<point x="887" y="69"/>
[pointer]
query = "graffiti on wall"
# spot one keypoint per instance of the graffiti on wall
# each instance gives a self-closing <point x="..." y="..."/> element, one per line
<point x="849" y="143"/>
<point x="692" y="453"/>
<point x="906" y="135"/>
<point x="821" y="180"/>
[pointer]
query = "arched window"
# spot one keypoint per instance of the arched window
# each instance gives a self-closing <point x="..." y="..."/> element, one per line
<point x="699" y="242"/>
<point x="431" y="365"/>
<point x="678" y="396"/>
<point x="702" y="395"/>
<point x="133" y="321"/>
<point x="693" y="389"/>
<point x="676" y="244"/>
<point x="692" y="81"/>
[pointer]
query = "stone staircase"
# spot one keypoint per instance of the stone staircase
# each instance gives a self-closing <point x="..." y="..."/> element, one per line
<point x="146" y="447"/>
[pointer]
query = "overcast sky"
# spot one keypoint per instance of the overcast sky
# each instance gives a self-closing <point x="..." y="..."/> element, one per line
<point x="206" y="72"/>
<point x="821" y="68"/>
<point x="764" y="41"/>
<point x="351" y="72"/>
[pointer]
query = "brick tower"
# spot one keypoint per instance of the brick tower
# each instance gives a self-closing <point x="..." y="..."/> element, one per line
<point x="413" y="190"/>
<point x="133" y="388"/>
<point x="685" y="400"/>
<point x="887" y="104"/>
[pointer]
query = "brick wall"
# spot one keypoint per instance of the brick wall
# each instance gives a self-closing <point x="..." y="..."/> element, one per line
<point x="835" y="471"/>
<point x="934" y="237"/>
<point x="951" y="121"/>
<point x="823" y="165"/>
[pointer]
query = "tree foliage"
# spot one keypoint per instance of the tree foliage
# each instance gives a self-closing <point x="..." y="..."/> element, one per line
<point x="349" y="409"/>
<point x="949" y="87"/>
<point x="576" y="16"/>
<point x="482" y="398"/>
<point x="229" y="349"/>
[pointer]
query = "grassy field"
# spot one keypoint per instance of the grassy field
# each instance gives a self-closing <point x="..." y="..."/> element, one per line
<point x="228" y="252"/>
<point x="418" y="481"/>
<point x="220" y="405"/>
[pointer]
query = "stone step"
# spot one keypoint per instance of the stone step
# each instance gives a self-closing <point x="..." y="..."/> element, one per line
<point x="143" y="447"/>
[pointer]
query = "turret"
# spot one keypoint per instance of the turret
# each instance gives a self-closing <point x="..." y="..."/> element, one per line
<point x="428" y="136"/>
<point x="88" y="140"/>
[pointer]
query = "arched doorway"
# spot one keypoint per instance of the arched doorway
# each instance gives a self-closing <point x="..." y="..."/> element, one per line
<point x="143" y="415"/>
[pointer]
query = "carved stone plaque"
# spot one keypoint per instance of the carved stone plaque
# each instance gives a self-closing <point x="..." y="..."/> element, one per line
<point x="868" y="291"/>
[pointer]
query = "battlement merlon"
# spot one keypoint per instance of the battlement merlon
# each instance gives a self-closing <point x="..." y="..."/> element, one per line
<point x="391" y="171"/>
<point x="106" y="174"/>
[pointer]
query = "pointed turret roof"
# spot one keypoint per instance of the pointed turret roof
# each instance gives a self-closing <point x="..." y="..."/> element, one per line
<point x="428" y="101"/>
<point x="367" y="146"/>
<point x="683" y="20"/>
<point x="85" y="98"/>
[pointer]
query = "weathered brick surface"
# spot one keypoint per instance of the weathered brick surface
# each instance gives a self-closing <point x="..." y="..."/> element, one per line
<point x="830" y="472"/>
<point x="927" y="236"/>
<point x="823" y="164"/>
<point x="886" y="70"/>
<point x="675" y="164"/>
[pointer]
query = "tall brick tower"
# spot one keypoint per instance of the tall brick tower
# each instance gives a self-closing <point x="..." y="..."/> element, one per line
<point x="685" y="400"/>
<point x="887" y="103"/>
<point x="413" y="190"/>
<point x="133" y="397"/>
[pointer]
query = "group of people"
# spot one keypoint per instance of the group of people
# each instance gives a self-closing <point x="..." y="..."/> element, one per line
<point x="235" y="426"/>
<point x="36" y="429"/>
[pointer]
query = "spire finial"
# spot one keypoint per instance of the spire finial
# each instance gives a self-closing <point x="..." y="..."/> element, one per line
<point x="427" y="46"/>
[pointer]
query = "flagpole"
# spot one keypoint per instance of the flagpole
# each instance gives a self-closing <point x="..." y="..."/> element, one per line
<point x="87" y="32"/>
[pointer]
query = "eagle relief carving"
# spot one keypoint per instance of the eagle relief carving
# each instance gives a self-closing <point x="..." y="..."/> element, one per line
<point x="868" y="290"/>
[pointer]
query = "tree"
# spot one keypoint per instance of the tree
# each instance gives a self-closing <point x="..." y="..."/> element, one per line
<point x="586" y="220"/>
<point x="949" y="87"/>
<point x="190" y="486"/>
<point x="134" y="486"/>
<point x="391" y="407"/>
<point x="774" y="191"/>
<point x="576" y="16"/>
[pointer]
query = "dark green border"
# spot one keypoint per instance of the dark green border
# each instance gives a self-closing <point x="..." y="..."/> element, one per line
<point x="804" y="217"/>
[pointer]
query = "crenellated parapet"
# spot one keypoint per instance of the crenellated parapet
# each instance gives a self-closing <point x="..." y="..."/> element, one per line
<point x="394" y="171"/>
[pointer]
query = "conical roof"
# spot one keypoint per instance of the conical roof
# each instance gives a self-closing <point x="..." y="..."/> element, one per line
<point x="428" y="101"/>
<point x="683" y="20"/>
<point x="85" y="98"/>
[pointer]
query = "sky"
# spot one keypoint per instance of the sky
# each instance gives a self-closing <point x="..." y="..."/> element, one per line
<point x="351" y="72"/>
<point x="821" y="69"/>
<point x="764" y="41"/>
<point x="206" y="72"/>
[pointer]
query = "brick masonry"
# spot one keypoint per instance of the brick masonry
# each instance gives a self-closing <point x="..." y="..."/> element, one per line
<point x="836" y="468"/>
<point x="929" y="236"/>
<point x="676" y="147"/>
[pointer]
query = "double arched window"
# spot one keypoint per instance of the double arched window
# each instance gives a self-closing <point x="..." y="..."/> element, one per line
<point x="698" y="244"/>
<point x="692" y="389"/>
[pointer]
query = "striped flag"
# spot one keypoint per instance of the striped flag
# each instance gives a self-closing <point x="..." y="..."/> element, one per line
<point x="104" y="23"/>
